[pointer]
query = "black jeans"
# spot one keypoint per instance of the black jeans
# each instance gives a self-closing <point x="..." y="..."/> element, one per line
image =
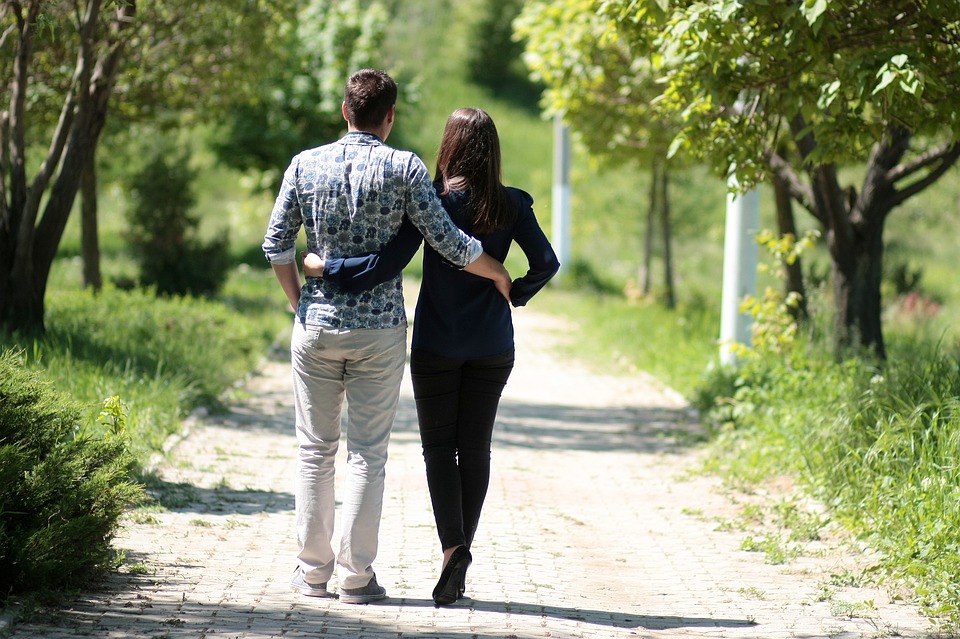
<point x="457" y="402"/>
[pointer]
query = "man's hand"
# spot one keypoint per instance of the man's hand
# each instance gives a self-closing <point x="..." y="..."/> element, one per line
<point x="313" y="265"/>
<point x="488" y="267"/>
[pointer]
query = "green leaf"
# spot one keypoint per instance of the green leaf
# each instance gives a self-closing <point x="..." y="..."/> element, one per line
<point x="887" y="76"/>
<point x="812" y="10"/>
<point x="828" y="93"/>
<point x="729" y="8"/>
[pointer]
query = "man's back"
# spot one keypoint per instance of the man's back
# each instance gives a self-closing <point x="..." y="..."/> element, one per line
<point x="350" y="197"/>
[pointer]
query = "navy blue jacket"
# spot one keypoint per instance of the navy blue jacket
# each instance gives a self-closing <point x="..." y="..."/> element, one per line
<point x="459" y="314"/>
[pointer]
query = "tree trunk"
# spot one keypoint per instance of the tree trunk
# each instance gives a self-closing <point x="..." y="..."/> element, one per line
<point x="854" y="224"/>
<point x="856" y="289"/>
<point x="647" y="263"/>
<point x="670" y="298"/>
<point x="90" y="241"/>
<point x="793" y="273"/>
<point x="77" y="133"/>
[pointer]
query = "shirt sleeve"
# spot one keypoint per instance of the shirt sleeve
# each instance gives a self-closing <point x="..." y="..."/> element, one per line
<point x="428" y="215"/>
<point x="363" y="272"/>
<point x="280" y="241"/>
<point x="541" y="258"/>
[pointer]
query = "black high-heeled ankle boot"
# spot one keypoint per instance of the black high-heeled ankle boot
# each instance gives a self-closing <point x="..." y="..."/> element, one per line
<point x="449" y="587"/>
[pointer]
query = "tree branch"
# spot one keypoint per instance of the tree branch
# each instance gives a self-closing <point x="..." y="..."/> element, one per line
<point x="799" y="191"/>
<point x="827" y="196"/>
<point x="23" y="219"/>
<point x="923" y="160"/>
<point x="6" y="34"/>
<point x="4" y="167"/>
<point x="947" y="160"/>
<point x="79" y="85"/>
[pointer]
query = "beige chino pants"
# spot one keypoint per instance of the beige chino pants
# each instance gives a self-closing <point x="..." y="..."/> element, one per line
<point x="364" y="367"/>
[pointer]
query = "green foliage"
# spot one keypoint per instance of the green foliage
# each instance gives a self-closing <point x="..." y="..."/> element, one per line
<point x="61" y="495"/>
<point x="297" y="105"/>
<point x="163" y="230"/>
<point x="604" y="89"/>
<point x="199" y="58"/>
<point x="850" y="71"/>
<point x="494" y="58"/>
<point x="774" y="328"/>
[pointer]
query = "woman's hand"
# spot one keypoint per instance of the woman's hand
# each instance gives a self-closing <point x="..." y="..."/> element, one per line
<point x="313" y="265"/>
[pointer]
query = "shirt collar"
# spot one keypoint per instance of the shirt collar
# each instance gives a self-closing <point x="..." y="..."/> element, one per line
<point x="361" y="137"/>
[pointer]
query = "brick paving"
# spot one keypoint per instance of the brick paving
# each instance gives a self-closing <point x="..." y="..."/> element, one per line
<point x="596" y="526"/>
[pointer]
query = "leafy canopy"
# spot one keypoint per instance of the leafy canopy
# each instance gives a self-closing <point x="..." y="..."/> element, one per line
<point x="603" y="87"/>
<point x="850" y="70"/>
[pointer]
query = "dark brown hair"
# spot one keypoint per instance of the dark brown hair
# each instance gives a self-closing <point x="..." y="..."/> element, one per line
<point x="469" y="159"/>
<point x="369" y="94"/>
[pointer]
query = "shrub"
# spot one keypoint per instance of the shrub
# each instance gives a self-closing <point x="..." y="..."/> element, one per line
<point x="61" y="492"/>
<point x="163" y="232"/>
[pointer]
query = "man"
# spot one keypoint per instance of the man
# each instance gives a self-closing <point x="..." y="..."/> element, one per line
<point x="350" y="197"/>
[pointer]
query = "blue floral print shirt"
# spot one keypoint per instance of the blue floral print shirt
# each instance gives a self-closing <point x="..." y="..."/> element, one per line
<point x="350" y="198"/>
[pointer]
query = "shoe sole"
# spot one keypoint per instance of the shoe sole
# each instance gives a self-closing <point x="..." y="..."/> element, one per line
<point x="309" y="592"/>
<point x="361" y="599"/>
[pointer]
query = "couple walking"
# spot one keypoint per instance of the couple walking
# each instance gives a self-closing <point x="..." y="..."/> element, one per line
<point x="365" y="208"/>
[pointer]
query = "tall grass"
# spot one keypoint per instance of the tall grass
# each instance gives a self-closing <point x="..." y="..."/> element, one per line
<point x="879" y="444"/>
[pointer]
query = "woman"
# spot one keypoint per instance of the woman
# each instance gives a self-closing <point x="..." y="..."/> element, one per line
<point x="463" y="350"/>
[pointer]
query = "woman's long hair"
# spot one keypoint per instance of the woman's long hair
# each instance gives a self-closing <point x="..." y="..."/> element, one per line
<point x="469" y="159"/>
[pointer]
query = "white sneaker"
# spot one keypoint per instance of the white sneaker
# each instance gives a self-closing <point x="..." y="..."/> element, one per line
<point x="304" y="587"/>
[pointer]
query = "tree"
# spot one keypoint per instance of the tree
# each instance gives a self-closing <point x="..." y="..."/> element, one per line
<point x="62" y="63"/>
<point x="494" y="54"/>
<point x="604" y="91"/>
<point x="868" y="82"/>
<point x="297" y="103"/>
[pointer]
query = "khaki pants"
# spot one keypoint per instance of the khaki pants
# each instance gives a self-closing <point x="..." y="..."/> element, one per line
<point x="365" y="367"/>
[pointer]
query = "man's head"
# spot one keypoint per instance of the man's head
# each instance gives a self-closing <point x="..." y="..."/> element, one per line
<point x="368" y="99"/>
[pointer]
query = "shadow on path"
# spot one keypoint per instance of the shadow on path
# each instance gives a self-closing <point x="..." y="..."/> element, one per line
<point x="145" y="613"/>
<point x="221" y="500"/>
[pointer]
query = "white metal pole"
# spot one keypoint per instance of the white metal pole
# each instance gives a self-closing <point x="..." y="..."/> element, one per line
<point x="739" y="269"/>
<point x="560" y="236"/>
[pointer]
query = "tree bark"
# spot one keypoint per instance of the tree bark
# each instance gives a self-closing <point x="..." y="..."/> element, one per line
<point x="854" y="235"/>
<point x="647" y="263"/>
<point x="89" y="236"/>
<point x="793" y="272"/>
<point x="670" y="298"/>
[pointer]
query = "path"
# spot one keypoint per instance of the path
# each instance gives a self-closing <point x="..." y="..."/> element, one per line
<point x="594" y="528"/>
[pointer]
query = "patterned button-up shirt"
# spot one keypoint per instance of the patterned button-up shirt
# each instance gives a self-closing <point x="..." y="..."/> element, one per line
<point x="350" y="198"/>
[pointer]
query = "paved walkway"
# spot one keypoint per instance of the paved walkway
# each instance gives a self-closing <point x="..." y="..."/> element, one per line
<point x="595" y="527"/>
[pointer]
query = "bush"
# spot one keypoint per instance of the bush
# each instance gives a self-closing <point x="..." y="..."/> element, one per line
<point x="163" y="232"/>
<point x="61" y="492"/>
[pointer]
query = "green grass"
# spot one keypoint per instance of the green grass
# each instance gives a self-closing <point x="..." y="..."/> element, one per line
<point x="162" y="357"/>
<point x="620" y="336"/>
<point x="879" y="445"/>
